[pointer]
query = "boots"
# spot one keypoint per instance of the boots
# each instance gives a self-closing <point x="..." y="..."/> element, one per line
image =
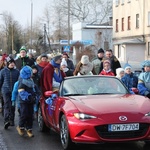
<point x="29" y="133"/>
<point x="21" y="131"/>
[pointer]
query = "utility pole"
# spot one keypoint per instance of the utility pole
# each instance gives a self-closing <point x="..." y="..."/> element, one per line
<point x="68" y="22"/>
<point x="12" y="38"/>
<point x="31" y="22"/>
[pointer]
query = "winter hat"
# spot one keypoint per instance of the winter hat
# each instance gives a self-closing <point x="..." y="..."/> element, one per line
<point x="63" y="62"/>
<point x="106" y="61"/>
<point x="26" y="72"/>
<point x="66" y="54"/>
<point x="9" y="60"/>
<point x="43" y="55"/>
<point x="57" y="57"/>
<point x="23" y="48"/>
<point x="100" y="50"/>
<point x="119" y="70"/>
<point x="85" y="59"/>
<point x="145" y="63"/>
<point x="127" y="66"/>
<point x="34" y="67"/>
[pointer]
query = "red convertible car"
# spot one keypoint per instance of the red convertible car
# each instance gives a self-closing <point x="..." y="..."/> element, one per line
<point x="95" y="109"/>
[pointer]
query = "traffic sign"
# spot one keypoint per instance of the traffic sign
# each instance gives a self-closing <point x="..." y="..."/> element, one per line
<point x="66" y="48"/>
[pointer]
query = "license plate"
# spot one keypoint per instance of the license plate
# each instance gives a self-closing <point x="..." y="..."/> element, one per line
<point x="123" y="127"/>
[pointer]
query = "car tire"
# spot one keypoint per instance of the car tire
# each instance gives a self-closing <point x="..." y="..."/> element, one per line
<point x="147" y="142"/>
<point x="41" y="123"/>
<point x="64" y="134"/>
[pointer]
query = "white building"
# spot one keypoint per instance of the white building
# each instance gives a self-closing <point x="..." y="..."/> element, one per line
<point x="98" y="35"/>
<point x="131" y="30"/>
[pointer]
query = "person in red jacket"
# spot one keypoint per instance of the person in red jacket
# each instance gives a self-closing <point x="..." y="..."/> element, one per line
<point x="52" y="75"/>
<point x="107" y="69"/>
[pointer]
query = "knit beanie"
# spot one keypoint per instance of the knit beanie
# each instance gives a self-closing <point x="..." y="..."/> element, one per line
<point x="127" y="66"/>
<point x="57" y="57"/>
<point x="145" y="63"/>
<point x="85" y="59"/>
<point x="119" y="70"/>
<point x="9" y="60"/>
<point x="26" y="72"/>
<point x="23" y="48"/>
<point x="66" y="54"/>
<point x="100" y="50"/>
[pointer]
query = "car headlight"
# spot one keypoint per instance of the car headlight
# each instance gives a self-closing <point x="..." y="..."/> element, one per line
<point x="83" y="116"/>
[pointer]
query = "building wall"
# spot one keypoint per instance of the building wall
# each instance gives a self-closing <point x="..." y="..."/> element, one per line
<point x="123" y="11"/>
<point x="98" y="35"/>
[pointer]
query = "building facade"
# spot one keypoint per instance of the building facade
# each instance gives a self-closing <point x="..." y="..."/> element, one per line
<point x="131" y="30"/>
<point x="98" y="35"/>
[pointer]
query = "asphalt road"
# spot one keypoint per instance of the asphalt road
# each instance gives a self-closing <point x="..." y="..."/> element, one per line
<point x="10" y="140"/>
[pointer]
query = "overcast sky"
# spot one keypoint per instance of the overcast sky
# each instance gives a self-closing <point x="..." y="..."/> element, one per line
<point x="21" y="9"/>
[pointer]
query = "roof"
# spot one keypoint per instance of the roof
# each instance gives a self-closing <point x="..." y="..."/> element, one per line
<point x="132" y="41"/>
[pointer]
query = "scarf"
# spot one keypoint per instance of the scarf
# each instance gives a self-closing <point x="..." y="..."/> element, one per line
<point x="43" y="64"/>
<point x="28" y="82"/>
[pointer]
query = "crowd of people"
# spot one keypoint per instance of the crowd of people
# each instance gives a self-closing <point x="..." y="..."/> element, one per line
<point x="23" y="80"/>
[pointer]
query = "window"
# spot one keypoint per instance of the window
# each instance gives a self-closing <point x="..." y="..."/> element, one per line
<point x="129" y="23"/>
<point x="149" y="18"/>
<point x="116" y="25"/>
<point x="122" y="2"/>
<point x="148" y="48"/>
<point x="122" y="24"/>
<point x="137" y="20"/>
<point x="117" y="3"/>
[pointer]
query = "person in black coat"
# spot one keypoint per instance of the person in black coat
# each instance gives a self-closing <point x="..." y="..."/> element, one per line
<point x="8" y="76"/>
<point x="23" y="59"/>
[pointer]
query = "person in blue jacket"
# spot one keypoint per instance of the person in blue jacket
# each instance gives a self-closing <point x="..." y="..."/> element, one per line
<point x="144" y="79"/>
<point x="129" y="79"/>
<point x="8" y="76"/>
<point x="14" y="97"/>
<point x="27" y="97"/>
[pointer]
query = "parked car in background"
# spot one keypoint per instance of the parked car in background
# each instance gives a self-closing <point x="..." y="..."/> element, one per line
<point x="137" y="72"/>
<point x="95" y="109"/>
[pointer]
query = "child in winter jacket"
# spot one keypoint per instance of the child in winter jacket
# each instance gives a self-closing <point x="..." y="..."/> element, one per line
<point x="27" y="96"/>
<point x="107" y="69"/>
<point x="129" y="79"/>
<point x="144" y="80"/>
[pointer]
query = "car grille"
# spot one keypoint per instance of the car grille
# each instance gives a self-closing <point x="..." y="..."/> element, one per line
<point x="104" y="133"/>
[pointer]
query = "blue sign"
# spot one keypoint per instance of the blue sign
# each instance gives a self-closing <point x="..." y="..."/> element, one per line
<point x="84" y="42"/>
<point x="64" y="42"/>
<point x="66" y="48"/>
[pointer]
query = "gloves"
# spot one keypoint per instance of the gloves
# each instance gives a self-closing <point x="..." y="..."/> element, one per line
<point x="13" y="103"/>
<point x="148" y="95"/>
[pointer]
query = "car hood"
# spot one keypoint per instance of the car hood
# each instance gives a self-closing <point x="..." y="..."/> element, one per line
<point x="103" y="104"/>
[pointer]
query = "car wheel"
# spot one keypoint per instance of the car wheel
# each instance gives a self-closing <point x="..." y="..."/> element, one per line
<point x="42" y="126"/>
<point x="64" y="134"/>
<point x="147" y="142"/>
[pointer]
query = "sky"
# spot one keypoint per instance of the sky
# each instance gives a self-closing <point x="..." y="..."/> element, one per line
<point x="21" y="9"/>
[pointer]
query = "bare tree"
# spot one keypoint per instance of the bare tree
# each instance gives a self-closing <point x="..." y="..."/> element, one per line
<point x="11" y="33"/>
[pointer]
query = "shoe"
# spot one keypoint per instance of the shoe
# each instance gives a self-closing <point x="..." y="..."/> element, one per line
<point x="29" y="133"/>
<point x="6" y="125"/>
<point x="20" y="130"/>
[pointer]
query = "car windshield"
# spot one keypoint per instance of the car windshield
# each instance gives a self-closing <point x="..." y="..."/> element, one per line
<point x="92" y="86"/>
